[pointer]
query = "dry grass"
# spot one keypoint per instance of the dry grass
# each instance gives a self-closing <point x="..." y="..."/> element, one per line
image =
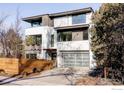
<point x="87" y="80"/>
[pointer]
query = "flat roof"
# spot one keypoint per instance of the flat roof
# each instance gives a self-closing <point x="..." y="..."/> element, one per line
<point x="72" y="12"/>
<point x="29" y="19"/>
<point x="53" y="15"/>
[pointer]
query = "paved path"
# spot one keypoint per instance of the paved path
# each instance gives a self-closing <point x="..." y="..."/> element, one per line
<point x="51" y="77"/>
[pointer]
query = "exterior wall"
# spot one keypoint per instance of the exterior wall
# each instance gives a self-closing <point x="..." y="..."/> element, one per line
<point x="46" y="33"/>
<point x="47" y="21"/>
<point x="62" y="21"/>
<point x="88" y="18"/>
<point x="92" y="61"/>
<point x="71" y="46"/>
<point x="67" y="20"/>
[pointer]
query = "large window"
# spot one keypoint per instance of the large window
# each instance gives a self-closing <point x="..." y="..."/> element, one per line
<point x="65" y="36"/>
<point x="52" y="40"/>
<point x="73" y="35"/>
<point x="31" y="56"/>
<point x="77" y="19"/>
<point x="34" y="40"/>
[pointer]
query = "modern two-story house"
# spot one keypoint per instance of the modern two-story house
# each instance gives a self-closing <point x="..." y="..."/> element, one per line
<point x="62" y="36"/>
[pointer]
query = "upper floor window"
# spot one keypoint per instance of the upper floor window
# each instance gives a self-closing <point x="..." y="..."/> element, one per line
<point x="36" y="22"/>
<point x="65" y="36"/>
<point x="74" y="35"/>
<point x="52" y="40"/>
<point x="34" y="40"/>
<point x="80" y="18"/>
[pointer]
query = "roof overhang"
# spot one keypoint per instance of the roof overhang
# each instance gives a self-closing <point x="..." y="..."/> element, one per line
<point x="33" y="18"/>
<point x="53" y="15"/>
<point x="72" y="27"/>
<point x="72" y="12"/>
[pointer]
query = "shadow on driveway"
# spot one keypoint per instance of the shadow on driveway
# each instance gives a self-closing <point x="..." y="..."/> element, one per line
<point x="12" y="79"/>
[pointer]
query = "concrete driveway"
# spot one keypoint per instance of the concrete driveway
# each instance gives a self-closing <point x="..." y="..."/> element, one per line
<point x="57" y="76"/>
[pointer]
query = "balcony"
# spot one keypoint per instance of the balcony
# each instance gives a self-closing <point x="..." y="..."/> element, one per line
<point x="74" y="45"/>
<point x="33" y="48"/>
<point x="33" y="43"/>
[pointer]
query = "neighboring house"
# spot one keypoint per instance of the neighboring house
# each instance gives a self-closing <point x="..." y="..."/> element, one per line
<point x="61" y="36"/>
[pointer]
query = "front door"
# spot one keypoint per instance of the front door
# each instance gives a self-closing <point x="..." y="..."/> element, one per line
<point x="53" y="56"/>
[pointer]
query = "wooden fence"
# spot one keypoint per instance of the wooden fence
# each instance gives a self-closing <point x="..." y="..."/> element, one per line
<point x="14" y="66"/>
<point x="9" y="65"/>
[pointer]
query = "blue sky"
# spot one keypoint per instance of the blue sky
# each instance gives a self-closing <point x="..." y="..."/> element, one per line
<point x="31" y="9"/>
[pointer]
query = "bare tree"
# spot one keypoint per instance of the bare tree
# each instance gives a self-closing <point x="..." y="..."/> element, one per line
<point x="3" y="34"/>
<point x="2" y="19"/>
<point x="14" y="37"/>
<point x="10" y="38"/>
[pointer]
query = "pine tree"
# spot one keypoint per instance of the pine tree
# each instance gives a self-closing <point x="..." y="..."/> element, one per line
<point x="107" y="35"/>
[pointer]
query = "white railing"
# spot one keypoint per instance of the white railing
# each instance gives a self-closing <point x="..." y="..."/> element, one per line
<point x="34" y="48"/>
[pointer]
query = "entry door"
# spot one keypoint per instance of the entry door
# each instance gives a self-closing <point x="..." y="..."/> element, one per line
<point x="53" y="56"/>
<point x="75" y="59"/>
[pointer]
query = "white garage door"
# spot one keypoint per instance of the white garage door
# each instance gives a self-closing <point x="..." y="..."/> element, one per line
<point x="75" y="59"/>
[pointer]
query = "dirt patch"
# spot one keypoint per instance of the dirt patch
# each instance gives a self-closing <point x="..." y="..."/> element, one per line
<point x="34" y="66"/>
<point x="87" y="80"/>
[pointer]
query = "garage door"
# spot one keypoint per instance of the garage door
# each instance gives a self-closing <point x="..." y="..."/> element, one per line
<point x="75" y="59"/>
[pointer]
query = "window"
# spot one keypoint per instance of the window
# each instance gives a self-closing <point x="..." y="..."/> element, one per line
<point x="52" y="40"/>
<point x="38" y="39"/>
<point x="77" y="19"/>
<point x="34" y="40"/>
<point x="31" y="56"/>
<point x="36" y="23"/>
<point x="77" y="35"/>
<point x="85" y="35"/>
<point x="73" y="35"/>
<point x="65" y="36"/>
<point x="27" y="56"/>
